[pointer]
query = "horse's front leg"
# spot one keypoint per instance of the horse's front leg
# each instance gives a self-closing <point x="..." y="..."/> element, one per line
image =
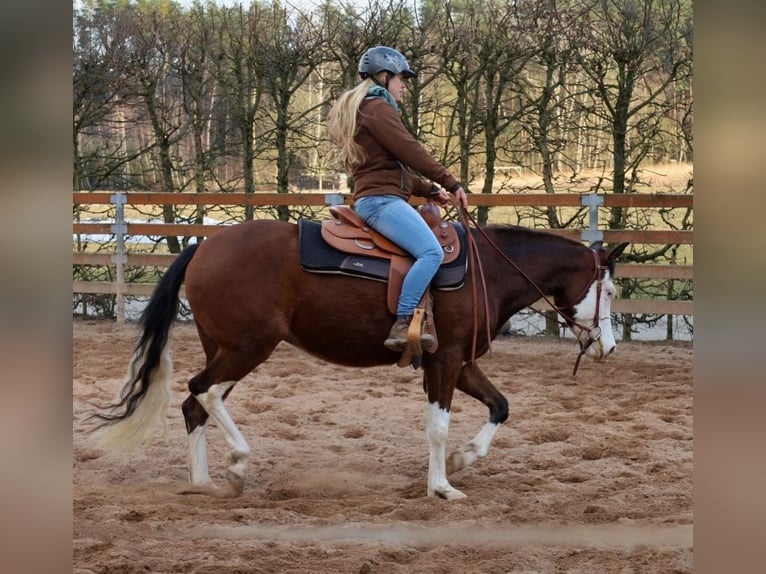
<point x="475" y="383"/>
<point x="439" y="387"/>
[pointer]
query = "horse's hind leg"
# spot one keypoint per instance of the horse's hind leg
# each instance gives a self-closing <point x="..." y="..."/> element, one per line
<point x="239" y="451"/>
<point x="210" y="388"/>
<point x="195" y="418"/>
<point x="475" y="383"/>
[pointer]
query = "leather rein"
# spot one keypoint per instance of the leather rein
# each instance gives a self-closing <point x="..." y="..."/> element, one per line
<point x="594" y="331"/>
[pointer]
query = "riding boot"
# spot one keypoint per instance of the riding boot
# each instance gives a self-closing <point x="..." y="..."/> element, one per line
<point x="427" y="340"/>
<point x="428" y="336"/>
<point x="397" y="336"/>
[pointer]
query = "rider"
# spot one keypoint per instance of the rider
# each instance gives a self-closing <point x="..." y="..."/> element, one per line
<point x="378" y="151"/>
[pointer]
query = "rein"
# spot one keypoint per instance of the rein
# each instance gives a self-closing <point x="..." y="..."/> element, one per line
<point x="594" y="331"/>
<point x="473" y="256"/>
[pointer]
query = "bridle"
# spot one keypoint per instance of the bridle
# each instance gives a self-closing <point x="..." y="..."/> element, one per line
<point x="599" y="274"/>
<point x="594" y="331"/>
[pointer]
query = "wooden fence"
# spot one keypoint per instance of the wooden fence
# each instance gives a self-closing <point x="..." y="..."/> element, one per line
<point x="121" y="230"/>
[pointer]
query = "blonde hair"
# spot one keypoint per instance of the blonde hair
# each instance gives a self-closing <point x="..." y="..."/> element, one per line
<point x="341" y="123"/>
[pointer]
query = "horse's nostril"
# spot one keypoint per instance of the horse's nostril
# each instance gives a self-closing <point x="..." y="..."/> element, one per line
<point x="611" y="351"/>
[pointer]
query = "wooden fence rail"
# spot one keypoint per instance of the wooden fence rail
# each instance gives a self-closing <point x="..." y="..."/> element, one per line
<point x="121" y="257"/>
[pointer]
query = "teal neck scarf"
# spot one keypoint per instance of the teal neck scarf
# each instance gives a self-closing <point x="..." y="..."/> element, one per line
<point x="377" y="91"/>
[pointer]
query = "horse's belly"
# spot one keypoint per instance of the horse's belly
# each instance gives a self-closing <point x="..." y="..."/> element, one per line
<point x="343" y="320"/>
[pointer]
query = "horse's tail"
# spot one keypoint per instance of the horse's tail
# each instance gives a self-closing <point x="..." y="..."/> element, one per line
<point x="131" y="421"/>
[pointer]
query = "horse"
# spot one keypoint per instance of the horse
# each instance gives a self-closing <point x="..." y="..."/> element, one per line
<point x="248" y="292"/>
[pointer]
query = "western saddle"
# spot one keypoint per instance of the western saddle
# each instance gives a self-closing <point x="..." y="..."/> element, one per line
<point x="347" y="232"/>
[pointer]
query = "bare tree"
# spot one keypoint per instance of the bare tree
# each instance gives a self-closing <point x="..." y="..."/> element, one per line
<point x="153" y="49"/>
<point x="292" y="49"/>
<point x="195" y="69"/>
<point x="619" y="44"/>
<point x="632" y="51"/>
<point x="241" y="84"/>
<point x="461" y="70"/>
<point x="98" y="81"/>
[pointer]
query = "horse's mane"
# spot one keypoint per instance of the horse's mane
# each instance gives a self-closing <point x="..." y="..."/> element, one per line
<point x="514" y="233"/>
<point x="509" y="237"/>
<point x="506" y="229"/>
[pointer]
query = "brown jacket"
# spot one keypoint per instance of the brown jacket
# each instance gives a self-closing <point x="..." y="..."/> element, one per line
<point x="391" y="152"/>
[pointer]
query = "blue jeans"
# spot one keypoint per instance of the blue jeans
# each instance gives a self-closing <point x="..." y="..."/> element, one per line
<point x="396" y="219"/>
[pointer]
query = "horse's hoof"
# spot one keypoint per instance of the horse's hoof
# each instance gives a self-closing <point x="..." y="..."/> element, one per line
<point x="206" y="489"/>
<point x="236" y="483"/>
<point x="447" y="493"/>
<point x="209" y="490"/>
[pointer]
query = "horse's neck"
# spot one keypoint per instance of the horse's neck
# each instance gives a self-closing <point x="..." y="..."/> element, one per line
<point x="547" y="260"/>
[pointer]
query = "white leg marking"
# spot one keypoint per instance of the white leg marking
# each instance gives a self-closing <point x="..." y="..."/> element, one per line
<point x="437" y="429"/>
<point x="212" y="401"/>
<point x="198" y="466"/>
<point x="474" y="450"/>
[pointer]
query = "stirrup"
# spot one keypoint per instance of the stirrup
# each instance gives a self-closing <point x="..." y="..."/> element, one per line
<point x="413" y="352"/>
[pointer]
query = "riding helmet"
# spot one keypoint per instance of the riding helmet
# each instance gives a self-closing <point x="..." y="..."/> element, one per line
<point x="382" y="58"/>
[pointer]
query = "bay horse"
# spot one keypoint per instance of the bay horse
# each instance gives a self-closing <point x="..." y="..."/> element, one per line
<point x="248" y="292"/>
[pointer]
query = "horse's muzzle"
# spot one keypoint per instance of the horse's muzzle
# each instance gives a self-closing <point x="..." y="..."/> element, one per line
<point x="599" y="352"/>
<point x="595" y="346"/>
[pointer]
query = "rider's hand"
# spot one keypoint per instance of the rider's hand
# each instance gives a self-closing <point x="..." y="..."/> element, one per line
<point x="461" y="197"/>
<point x="441" y="197"/>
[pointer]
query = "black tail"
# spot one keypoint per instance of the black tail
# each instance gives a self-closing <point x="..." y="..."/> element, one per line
<point x="156" y="321"/>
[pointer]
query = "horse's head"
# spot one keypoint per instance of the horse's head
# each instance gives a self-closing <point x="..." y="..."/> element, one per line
<point x="591" y="317"/>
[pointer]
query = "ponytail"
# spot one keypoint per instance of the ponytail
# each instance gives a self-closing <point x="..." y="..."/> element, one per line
<point x="341" y="123"/>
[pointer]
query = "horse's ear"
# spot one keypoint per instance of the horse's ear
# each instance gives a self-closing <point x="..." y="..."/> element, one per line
<point x="597" y="245"/>
<point x="615" y="252"/>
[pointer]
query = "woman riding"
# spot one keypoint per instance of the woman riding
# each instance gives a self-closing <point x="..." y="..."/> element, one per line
<point x="379" y="152"/>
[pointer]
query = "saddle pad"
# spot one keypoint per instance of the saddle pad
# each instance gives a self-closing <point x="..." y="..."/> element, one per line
<point x="317" y="256"/>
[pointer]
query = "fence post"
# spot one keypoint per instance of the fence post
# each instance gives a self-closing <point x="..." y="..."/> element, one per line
<point x="119" y="229"/>
<point x="593" y="201"/>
